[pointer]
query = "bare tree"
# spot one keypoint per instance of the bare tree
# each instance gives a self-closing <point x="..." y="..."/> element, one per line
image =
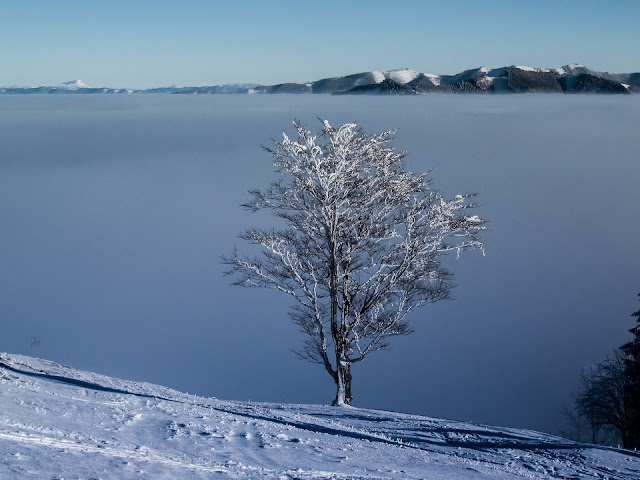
<point x="580" y="425"/>
<point x="361" y="247"/>
<point x="608" y="403"/>
<point x="575" y="426"/>
<point x="605" y="399"/>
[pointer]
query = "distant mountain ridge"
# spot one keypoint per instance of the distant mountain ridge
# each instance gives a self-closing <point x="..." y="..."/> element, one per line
<point x="573" y="78"/>
<point x="72" y="87"/>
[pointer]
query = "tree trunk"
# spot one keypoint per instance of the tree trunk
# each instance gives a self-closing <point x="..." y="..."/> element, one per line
<point x="343" y="374"/>
<point x="348" y="397"/>
<point x="343" y="384"/>
<point x="624" y="436"/>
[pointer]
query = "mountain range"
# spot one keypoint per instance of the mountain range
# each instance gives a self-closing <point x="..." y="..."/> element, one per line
<point x="513" y="79"/>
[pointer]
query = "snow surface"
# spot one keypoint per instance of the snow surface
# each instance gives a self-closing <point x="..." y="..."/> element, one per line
<point x="568" y="69"/>
<point x="434" y="78"/>
<point x="526" y="69"/>
<point x="485" y="81"/>
<point x="378" y="77"/>
<point x="402" y="76"/>
<point x="59" y="422"/>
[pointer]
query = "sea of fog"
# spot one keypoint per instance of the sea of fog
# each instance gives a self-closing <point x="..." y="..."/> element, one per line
<point x="115" y="210"/>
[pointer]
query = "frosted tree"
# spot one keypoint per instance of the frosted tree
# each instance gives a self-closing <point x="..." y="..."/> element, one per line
<point x="361" y="244"/>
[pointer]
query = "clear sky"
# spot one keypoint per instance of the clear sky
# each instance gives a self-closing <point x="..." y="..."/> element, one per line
<point x="139" y="44"/>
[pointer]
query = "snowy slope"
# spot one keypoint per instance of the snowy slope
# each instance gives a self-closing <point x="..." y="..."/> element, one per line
<point x="58" y="422"/>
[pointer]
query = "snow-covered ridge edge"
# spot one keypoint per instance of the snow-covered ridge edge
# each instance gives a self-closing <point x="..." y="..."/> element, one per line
<point x="571" y="78"/>
<point x="60" y="419"/>
<point x="37" y="367"/>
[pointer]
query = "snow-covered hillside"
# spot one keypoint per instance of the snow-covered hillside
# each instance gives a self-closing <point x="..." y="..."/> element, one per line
<point x="58" y="422"/>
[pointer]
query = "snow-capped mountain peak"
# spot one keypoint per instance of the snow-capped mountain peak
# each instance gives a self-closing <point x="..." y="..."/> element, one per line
<point x="524" y="68"/>
<point x="73" y="85"/>
<point x="378" y="77"/>
<point x="401" y="75"/>
<point x="571" y="69"/>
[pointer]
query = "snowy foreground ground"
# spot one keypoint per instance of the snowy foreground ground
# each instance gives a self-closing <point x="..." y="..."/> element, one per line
<point x="58" y="422"/>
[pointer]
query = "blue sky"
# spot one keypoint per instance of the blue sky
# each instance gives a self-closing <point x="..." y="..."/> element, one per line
<point x="143" y="44"/>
